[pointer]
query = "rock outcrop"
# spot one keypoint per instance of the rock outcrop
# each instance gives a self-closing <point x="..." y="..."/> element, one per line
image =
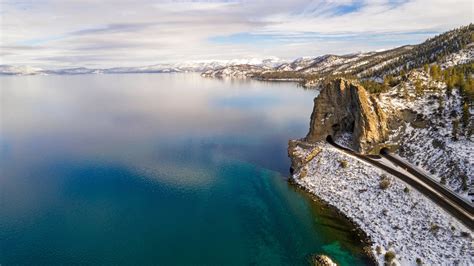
<point x="322" y="260"/>
<point x="344" y="106"/>
<point x="299" y="158"/>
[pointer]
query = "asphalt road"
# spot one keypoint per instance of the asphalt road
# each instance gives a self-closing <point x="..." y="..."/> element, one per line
<point x="440" y="195"/>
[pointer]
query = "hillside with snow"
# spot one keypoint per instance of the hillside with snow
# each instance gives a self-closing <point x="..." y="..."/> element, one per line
<point x="431" y="134"/>
<point x="372" y="65"/>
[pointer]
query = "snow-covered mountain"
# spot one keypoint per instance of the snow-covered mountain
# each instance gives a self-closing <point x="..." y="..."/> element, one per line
<point x="73" y="71"/>
<point x="373" y="65"/>
<point x="236" y="71"/>
<point x="19" y="70"/>
<point x="189" y="66"/>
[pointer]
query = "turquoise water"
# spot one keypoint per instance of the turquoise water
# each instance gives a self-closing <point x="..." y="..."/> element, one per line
<point x="169" y="169"/>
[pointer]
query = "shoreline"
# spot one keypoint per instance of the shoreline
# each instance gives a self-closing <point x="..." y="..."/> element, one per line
<point x="365" y="239"/>
<point x="404" y="223"/>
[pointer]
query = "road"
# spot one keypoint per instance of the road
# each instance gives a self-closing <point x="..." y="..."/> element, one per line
<point x="440" y="195"/>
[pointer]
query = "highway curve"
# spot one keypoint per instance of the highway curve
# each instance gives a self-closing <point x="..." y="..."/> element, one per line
<point x="426" y="179"/>
<point x="458" y="207"/>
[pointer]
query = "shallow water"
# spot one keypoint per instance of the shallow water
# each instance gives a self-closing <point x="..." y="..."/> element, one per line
<point x="157" y="169"/>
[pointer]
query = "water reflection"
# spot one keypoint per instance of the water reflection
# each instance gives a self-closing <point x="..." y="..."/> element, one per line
<point x="119" y="116"/>
<point x="155" y="168"/>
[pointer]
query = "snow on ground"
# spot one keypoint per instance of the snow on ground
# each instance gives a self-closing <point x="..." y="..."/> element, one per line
<point x="404" y="222"/>
<point x="378" y="66"/>
<point x="238" y="71"/>
<point x="344" y="139"/>
<point x="328" y="62"/>
<point x="464" y="56"/>
<point x="444" y="157"/>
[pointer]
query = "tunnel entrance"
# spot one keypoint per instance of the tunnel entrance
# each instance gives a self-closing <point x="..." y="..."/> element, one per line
<point x="385" y="150"/>
<point x="329" y="139"/>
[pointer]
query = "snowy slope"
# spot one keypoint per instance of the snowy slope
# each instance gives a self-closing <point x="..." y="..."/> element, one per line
<point x="396" y="219"/>
<point x="425" y="138"/>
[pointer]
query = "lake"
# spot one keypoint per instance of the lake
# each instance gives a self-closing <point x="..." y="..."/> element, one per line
<point x="168" y="169"/>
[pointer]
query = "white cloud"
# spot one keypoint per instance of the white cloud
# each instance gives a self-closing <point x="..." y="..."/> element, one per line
<point x="126" y="33"/>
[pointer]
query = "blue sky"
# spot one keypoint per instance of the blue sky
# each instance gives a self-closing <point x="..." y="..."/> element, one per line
<point x="109" y="33"/>
<point x="380" y="39"/>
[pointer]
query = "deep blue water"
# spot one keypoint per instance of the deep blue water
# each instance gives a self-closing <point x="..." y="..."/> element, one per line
<point x="169" y="169"/>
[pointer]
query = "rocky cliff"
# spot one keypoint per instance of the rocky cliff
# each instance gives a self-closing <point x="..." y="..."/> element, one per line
<point x="344" y="108"/>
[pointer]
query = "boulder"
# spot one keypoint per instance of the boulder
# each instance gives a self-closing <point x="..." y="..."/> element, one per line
<point x="322" y="260"/>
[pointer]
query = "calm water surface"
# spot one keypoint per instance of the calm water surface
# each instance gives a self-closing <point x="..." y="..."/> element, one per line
<point x="157" y="169"/>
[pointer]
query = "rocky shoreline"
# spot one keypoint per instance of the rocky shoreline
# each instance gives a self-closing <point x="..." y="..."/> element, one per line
<point x="364" y="238"/>
<point x="397" y="219"/>
<point x="402" y="225"/>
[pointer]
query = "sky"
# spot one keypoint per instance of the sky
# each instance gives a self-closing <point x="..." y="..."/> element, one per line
<point x="118" y="33"/>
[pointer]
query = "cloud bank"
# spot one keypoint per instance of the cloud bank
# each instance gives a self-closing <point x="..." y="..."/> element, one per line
<point x="114" y="33"/>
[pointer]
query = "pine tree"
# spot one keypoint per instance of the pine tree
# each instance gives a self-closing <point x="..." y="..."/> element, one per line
<point x="403" y="73"/>
<point x="460" y="81"/>
<point x="440" y="105"/>
<point x="455" y="129"/>
<point x="435" y="72"/>
<point x="465" y="115"/>
<point x="449" y="86"/>
<point x="426" y="67"/>
<point x="418" y="88"/>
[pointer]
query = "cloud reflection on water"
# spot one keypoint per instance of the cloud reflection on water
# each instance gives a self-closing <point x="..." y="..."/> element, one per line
<point x="140" y="120"/>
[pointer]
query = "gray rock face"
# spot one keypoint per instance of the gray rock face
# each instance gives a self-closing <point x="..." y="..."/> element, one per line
<point x="344" y="106"/>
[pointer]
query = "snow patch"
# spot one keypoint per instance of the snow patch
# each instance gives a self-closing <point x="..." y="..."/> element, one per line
<point x="403" y="221"/>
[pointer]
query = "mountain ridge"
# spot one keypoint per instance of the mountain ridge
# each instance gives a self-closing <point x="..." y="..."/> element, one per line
<point x="187" y="66"/>
<point x="373" y="65"/>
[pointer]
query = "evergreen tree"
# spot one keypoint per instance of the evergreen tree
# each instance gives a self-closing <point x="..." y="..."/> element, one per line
<point x="435" y="72"/>
<point x="426" y="67"/>
<point x="418" y="88"/>
<point x="455" y="129"/>
<point x="465" y="115"/>
<point x="440" y="105"/>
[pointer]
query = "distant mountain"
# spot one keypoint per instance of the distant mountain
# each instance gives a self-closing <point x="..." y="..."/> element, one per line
<point x="191" y="66"/>
<point x="73" y="71"/>
<point x="19" y="70"/>
<point x="238" y="71"/>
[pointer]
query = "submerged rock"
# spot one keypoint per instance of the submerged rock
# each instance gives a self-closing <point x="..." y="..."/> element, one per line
<point x="344" y="106"/>
<point x="322" y="260"/>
